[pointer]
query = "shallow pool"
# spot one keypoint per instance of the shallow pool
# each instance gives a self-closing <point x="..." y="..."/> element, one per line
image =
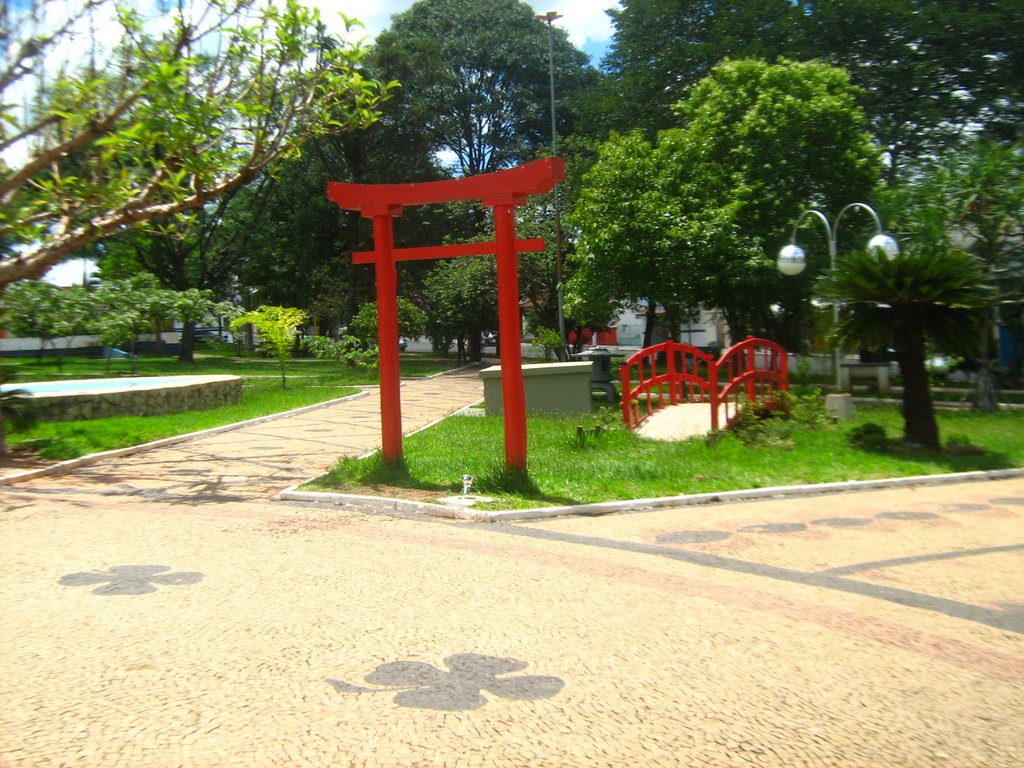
<point x="139" y="396"/>
<point x="103" y="385"/>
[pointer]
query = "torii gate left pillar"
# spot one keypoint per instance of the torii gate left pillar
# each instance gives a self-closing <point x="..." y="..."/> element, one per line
<point x="502" y="191"/>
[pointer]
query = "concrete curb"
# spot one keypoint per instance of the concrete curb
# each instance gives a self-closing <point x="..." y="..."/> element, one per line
<point x="953" y="405"/>
<point x="64" y="467"/>
<point x="379" y="503"/>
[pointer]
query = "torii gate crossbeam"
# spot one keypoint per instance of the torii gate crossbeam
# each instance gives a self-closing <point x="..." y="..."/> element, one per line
<point x="502" y="191"/>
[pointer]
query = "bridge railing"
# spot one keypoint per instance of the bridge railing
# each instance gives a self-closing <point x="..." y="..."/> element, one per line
<point x="753" y="370"/>
<point x="665" y="374"/>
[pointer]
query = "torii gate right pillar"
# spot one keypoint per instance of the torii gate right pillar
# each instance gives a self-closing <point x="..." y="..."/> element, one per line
<point x="510" y="333"/>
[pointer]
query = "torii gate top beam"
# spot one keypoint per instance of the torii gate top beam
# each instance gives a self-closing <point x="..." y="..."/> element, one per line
<point x="534" y="178"/>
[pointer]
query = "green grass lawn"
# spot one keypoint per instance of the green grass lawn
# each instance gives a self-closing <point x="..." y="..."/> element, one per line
<point x="309" y="382"/>
<point x="216" y="359"/>
<point x="615" y="464"/>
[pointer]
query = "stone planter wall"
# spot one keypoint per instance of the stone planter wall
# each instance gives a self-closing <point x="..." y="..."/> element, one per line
<point x="548" y="388"/>
<point x="194" y="393"/>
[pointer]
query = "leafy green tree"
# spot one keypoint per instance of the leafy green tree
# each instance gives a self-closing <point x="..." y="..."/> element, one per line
<point x="692" y="220"/>
<point x="190" y="306"/>
<point x="626" y="252"/>
<point x="411" y="322"/>
<point x="930" y="72"/>
<point x="172" y="117"/>
<point x="475" y="78"/>
<point x="41" y="310"/>
<point x="35" y="309"/>
<point x="278" y="327"/>
<point x="122" y="309"/>
<point x="973" y="199"/>
<point x="661" y="47"/>
<point x="462" y="300"/>
<point x="917" y="298"/>
<point x="761" y="142"/>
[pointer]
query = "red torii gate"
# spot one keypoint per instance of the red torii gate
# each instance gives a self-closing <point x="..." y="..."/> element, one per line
<point x="502" y="191"/>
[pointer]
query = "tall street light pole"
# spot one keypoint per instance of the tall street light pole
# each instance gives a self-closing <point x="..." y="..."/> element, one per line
<point x="792" y="258"/>
<point x="550" y="18"/>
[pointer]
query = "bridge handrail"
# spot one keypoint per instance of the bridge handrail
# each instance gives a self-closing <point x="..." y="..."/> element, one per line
<point x="680" y="384"/>
<point x="753" y="370"/>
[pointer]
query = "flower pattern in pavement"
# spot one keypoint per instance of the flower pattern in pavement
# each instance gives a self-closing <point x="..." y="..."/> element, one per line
<point x="425" y="686"/>
<point x="129" y="579"/>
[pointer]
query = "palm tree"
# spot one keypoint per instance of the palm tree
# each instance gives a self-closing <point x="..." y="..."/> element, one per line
<point x="903" y="303"/>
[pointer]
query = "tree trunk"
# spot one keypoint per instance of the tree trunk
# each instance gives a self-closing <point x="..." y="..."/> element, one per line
<point x="986" y="397"/>
<point x="3" y="433"/>
<point x="649" y="326"/>
<point x="674" y="326"/>
<point x="475" y="350"/>
<point x="919" y="424"/>
<point x="187" y="344"/>
<point x="158" y="337"/>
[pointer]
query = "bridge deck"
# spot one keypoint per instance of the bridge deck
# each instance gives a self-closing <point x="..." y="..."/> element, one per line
<point x="679" y="422"/>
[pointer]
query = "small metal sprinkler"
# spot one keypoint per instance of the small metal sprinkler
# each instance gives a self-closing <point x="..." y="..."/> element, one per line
<point x="467" y="485"/>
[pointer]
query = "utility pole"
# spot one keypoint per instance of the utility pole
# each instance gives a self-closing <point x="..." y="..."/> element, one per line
<point x="550" y="18"/>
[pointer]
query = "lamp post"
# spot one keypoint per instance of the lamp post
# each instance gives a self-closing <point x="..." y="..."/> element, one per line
<point x="550" y="18"/>
<point x="792" y="258"/>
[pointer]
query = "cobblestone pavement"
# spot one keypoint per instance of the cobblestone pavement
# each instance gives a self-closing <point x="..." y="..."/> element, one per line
<point x="153" y="617"/>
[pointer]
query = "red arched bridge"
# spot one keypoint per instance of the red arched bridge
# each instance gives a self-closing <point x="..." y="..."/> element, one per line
<point x="751" y="372"/>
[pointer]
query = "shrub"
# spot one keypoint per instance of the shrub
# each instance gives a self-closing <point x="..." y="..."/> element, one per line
<point x="961" y="445"/>
<point x="805" y="406"/>
<point x="347" y="350"/>
<point x="868" y="437"/>
<point x="774" y="427"/>
<point x="549" y="340"/>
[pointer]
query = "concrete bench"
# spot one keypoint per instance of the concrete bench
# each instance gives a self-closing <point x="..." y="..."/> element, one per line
<point x="548" y="387"/>
<point x="876" y="372"/>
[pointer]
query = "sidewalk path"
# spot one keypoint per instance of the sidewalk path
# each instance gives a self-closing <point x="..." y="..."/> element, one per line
<point x="163" y="610"/>
<point x="256" y="461"/>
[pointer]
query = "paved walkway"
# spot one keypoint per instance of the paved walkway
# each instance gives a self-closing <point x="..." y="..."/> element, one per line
<point x="255" y="462"/>
<point x="163" y="610"/>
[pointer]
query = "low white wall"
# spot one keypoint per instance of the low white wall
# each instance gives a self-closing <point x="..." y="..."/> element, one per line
<point x="16" y="344"/>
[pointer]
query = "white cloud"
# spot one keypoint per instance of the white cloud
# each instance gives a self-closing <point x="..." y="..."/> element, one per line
<point x="585" y="21"/>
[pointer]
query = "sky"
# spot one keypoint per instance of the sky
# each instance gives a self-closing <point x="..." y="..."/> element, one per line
<point x="588" y="26"/>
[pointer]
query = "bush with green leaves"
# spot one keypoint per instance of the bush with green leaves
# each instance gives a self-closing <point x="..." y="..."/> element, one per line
<point x="347" y="350"/>
<point x="757" y="424"/>
<point x="961" y="445"/>
<point x="411" y="322"/>
<point x="278" y="327"/>
<point x="17" y="408"/>
<point x="548" y="340"/>
<point x="868" y="437"/>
